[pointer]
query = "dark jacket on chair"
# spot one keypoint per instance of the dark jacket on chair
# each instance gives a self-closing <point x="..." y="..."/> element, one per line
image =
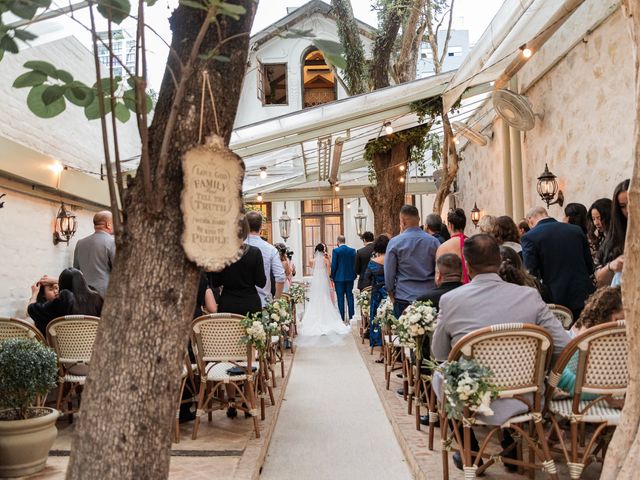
<point x="558" y="253"/>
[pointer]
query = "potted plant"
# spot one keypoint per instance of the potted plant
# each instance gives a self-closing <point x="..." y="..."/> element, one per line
<point x="28" y="370"/>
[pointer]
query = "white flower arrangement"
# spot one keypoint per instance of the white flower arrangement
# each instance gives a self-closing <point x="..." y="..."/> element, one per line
<point x="467" y="384"/>
<point x="418" y="320"/>
<point x="364" y="300"/>
<point x="278" y="312"/>
<point x="297" y="293"/>
<point x="384" y="314"/>
<point x="256" y="333"/>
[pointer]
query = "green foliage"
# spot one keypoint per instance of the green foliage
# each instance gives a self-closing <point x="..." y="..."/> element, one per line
<point x="114" y="10"/>
<point x="216" y="7"/>
<point x="52" y="87"/>
<point x="27" y="369"/>
<point x="333" y="52"/>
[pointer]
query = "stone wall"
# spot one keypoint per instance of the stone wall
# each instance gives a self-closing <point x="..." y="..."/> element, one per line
<point x="587" y="130"/>
<point x="27" y="251"/>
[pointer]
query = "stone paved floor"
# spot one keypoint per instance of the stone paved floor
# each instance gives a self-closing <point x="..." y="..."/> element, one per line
<point x="427" y="464"/>
<point x="225" y="449"/>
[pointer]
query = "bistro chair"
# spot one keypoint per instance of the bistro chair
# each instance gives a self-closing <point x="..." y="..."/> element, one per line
<point x="563" y="314"/>
<point x="16" y="328"/>
<point x="188" y="383"/>
<point x="216" y="341"/>
<point x="517" y="355"/>
<point x="599" y="357"/>
<point x="72" y="338"/>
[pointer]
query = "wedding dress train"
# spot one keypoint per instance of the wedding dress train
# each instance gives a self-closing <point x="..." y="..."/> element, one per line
<point x="321" y="316"/>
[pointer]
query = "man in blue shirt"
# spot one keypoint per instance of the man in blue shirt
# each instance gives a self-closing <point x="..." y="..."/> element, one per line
<point x="410" y="261"/>
<point x="343" y="274"/>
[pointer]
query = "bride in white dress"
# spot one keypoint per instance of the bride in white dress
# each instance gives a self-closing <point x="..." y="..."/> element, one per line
<point x="321" y="316"/>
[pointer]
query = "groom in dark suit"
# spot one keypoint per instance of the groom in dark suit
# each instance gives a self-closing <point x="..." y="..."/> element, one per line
<point x="343" y="274"/>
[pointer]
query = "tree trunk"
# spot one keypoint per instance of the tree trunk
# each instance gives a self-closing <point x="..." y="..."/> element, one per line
<point x="390" y="23"/>
<point x="449" y="165"/>
<point x="387" y="196"/>
<point x="355" y="74"/>
<point x="623" y="455"/>
<point x="406" y="65"/>
<point x="129" y="401"/>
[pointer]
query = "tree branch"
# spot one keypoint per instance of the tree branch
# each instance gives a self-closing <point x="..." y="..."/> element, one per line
<point x="114" y="132"/>
<point x="355" y="76"/>
<point x="446" y="42"/>
<point x="141" y="103"/>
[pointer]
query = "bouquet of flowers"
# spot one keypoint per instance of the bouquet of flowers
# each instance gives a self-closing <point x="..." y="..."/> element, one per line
<point x="256" y="333"/>
<point x="417" y="320"/>
<point x="384" y="314"/>
<point x="467" y="384"/>
<point x="297" y="293"/>
<point x="278" y="312"/>
<point x="364" y="300"/>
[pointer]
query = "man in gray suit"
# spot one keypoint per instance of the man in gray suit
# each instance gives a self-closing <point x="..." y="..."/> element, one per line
<point x="488" y="300"/>
<point x="94" y="255"/>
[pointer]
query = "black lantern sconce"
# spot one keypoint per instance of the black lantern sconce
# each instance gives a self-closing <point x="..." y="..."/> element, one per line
<point x="361" y="220"/>
<point x="285" y="224"/>
<point x="475" y="214"/>
<point x="548" y="188"/>
<point x="66" y="226"/>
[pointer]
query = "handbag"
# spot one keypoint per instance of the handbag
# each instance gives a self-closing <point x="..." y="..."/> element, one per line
<point x="234" y="371"/>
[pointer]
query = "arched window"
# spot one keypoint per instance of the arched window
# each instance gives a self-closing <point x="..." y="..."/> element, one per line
<point x="318" y="82"/>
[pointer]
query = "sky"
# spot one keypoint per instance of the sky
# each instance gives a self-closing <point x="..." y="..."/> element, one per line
<point x="473" y="15"/>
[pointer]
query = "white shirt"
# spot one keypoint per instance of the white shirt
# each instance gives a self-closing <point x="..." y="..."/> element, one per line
<point x="272" y="263"/>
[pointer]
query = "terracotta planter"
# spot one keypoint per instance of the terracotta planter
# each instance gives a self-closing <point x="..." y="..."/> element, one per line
<point x="25" y="444"/>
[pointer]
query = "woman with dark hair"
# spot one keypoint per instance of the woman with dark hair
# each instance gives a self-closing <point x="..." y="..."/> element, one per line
<point x="375" y="274"/>
<point x="512" y="271"/>
<point x="576" y="214"/>
<point x="75" y="297"/>
<point x="611" y="252"/>
<point x="598" y="221"/>
<point x="240" y="279"/>
<point x="506" y="232"/>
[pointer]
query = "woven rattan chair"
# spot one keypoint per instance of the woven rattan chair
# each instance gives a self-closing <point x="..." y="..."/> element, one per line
<point x="187" y="382"/>
<point x="393" y="355"/>
<point x="216" y="341"/>
<point x="16" y="328"/>
<point x="563" y="314"/>
<point x="601" y="370"/>
<point x="364" y="317"/>
<point x="72" y="337"/>
<point x="517" y="355"/>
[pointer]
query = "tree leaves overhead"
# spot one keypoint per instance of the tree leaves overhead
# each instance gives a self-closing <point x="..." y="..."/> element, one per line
<point x="37" y="105"/>
<point x="79" y="94"/>
<point x="29" y="79"/>
<point x="114" y="10"/>
<point x="332" y="51"/>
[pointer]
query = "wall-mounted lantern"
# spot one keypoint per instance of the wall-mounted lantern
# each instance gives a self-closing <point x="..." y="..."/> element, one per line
<point x="66" y="226"/>
<point x="475" y="214"/>
<point x="285" y="224"/>
<point x="361" y="220"/>
<point x="548" y="188"/>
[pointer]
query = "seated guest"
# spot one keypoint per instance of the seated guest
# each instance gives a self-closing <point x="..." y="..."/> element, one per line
<point x="598" y="221"/>
<point x="512" y="271"/>
<point x="488" y="300"/>
<point x="506" y="232"/>
<point x="433" y="226"/>
<point x="448" y="276"/>
<point x="44" y="290"/>
<point x="605" y="305"/>
<point x="240" y="279"/>
<point x="456" y="220"/>
<point x="75" y="297"/>
<point x="375" y="278"/>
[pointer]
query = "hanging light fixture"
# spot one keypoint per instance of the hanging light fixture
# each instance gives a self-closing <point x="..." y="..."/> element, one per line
<point x="299" y="220"/>
<point x="361" y="220"/>
<point x="526" y="51"/>
<point x="259" y="198"/>
<point x="475" y="214"/>
<point x="263" y="172"/>
<point x="66" y="226"/>
<point x="548" y="188"/>
<point x="285" y="224"/>
<point x="388" y="129"/>
<point x="349" y="205"/>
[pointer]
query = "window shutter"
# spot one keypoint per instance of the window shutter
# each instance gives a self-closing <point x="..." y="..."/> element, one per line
<point x="260" y="79"/>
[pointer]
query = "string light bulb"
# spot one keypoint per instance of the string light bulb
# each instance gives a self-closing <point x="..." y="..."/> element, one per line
<point x="401" y="179"/>
<point x="299" y="220"/>
<point x="56" y="167"/>
<point x="388" y="129"/>
<point x="456" y="140"/>
<point x="526" y="51"/>
<point x="337" y="188"/>
<point x="348" y="205"/>
<point x="402" y="168"/>
<point x="263" y="172"/>
<point x="259" y="197"/>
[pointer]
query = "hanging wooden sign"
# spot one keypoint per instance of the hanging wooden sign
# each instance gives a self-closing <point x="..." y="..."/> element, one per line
<point x="211" y="204"/>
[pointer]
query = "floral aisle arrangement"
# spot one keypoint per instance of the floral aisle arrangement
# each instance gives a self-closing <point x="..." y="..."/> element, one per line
<point x="364" y="300"/>
<point x="384" y="314"/>
<point x="278" y="312"/>
<point x="418" y="320"/>
<point x="467" y="384"/>
<point x="257" y="331"/>
<point x="297" y="293"/>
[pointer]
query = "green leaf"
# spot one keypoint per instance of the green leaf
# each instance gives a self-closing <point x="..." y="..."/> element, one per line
<point x="150" y="3"/>
<point x="24" y="35"/>
<point x="24" y="8"/>
<point x="63" y="75"/>
<point x="193" y="4"/>
<point x="36" y="103"/>
<point x="52" y="93"/>
<point x="92" y="111"/>
<point x="40" y="66"/>
<point x="231" y="10"/>
<point x="79" y="94"/>
<point x="122" y="113"/>
<point x="332" y="51"/>
<point x="1" y="54"/>
<point x="129" y="99"/>
<point x="115" y="10"/>
<point x="8" y="44"/>
<point x="29" y="79"/>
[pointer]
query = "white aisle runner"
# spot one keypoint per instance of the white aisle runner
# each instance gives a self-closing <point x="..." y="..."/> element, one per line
<point x="332" y="425"/>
